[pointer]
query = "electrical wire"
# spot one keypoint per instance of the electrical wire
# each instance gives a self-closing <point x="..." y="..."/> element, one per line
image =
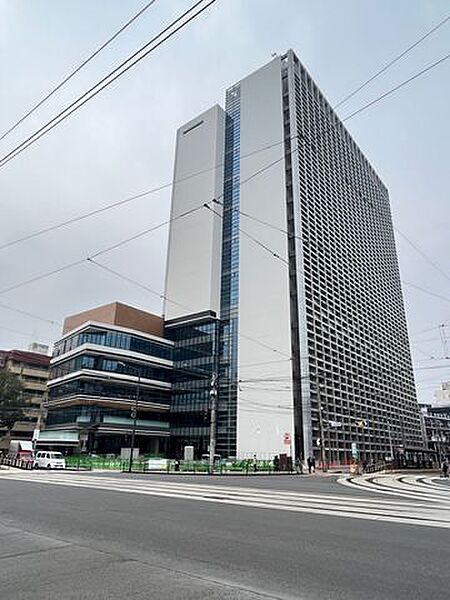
<point x="425" y="291"/>
<point x="395" y="88"/>
<point x="98" y="253"/>
<point x="281" y="158"/>
<point x="42" y="276"/>
<point x="28" y="335"/>
<point x="161" y="187"/>
<point x="108" y="79"/>
<point x="423" y="255"/>
<point x="28" y="314"/>
<point x="134" y="282"/>
<point x="284" y="231"/>
<point x="391" y="63"/>
<point x="445" y="324"/>
<point x="77" y="69"/>
<point x="138" y="235"/>
<point x="167" y="299"/>
<point x="129" y="199"/>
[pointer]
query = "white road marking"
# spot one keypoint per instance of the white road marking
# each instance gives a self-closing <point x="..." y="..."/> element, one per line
<point x="434" y="512"/>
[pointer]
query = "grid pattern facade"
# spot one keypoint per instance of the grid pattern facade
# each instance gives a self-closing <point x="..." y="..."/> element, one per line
<point x="357" y="341"/>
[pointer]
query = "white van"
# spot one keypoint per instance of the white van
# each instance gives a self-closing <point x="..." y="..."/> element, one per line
<point x="49" y="460"/>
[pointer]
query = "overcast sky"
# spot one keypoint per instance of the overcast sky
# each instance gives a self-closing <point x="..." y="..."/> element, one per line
<point x="122" y="142"/>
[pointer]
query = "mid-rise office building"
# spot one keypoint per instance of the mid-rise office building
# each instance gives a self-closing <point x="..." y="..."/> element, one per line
<point x="285" y="288"/>
<point x="107" y="360"/>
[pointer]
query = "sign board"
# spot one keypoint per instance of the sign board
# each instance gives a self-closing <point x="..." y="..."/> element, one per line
<point x="189" y="453"/>
<point x="287" y="439"/>
<point x="125" y="453"/>
<point x="355" y="451"/>
<point x="318" y="442"/>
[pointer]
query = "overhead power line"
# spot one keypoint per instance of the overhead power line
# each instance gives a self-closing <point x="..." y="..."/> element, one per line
<point x="253" y="175"/>
<point x="81" y="261"/>
<point x="442" y="324"/>
<point x="77" y="69"/>
<point x="134" y="282"/>
<point x="394" y="89"/>
<point x="164" y="297"/>
<point x="130" y="199"/>
<point x="28" y="314"/>
<point x="29" y="335"/>
<point x="423" y="255"/>
<point x="92" y="257"/>
<point x="169" y="184"/>
<point x="135" y="236"/>
<point x="425" y="291"/>
<point x="392" y="62"/>
<point x="284" y="231"/>
<point x="120" y="70"/>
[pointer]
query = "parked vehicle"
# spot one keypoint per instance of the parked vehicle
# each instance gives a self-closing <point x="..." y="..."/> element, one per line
<point x="21" y="450"/>
<point x="49" y="460"/>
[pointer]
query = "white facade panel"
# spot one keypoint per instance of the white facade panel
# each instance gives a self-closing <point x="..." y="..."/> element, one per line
<point x="194" y="252"/>
<point x="265" y="403"/>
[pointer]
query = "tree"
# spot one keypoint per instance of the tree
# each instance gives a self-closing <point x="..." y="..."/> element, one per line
<point x="11" y="402"/>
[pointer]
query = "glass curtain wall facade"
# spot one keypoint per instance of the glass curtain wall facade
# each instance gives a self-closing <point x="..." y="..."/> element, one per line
<point x="229" y="306"/>
<point x="195" y="341"/>
<point x="93" y="387"/>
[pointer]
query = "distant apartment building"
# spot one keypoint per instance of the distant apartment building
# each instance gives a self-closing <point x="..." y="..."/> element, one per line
<point x="106" y="359"/>
<point x="285" y="287"/>
<point x="442" y="396"/>
<point x="32" y="368"/>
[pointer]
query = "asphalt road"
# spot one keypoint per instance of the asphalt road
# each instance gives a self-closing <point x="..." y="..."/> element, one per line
<point x="65" y="543"/>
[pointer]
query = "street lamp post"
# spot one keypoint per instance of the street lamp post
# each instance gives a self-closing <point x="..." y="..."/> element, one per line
<point x="134" y="415"/>
<point x="134" y="410"/>
<point x="213" y="410"/>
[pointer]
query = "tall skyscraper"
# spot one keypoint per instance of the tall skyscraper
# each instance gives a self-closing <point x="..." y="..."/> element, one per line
<point x="286" y="285"/>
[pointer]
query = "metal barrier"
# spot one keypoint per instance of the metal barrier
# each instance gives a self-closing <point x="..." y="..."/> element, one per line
<point x="16" y="463"/>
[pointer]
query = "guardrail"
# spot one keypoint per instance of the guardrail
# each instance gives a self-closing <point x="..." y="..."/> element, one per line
<point x="16" y="463"/>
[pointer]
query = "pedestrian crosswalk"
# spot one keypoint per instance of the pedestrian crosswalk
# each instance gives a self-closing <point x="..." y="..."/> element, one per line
<point x="397" y="499"/>
<point x="431" y="490"/>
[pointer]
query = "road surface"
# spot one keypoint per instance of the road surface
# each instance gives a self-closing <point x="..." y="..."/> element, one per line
<point x="113" y="536"/>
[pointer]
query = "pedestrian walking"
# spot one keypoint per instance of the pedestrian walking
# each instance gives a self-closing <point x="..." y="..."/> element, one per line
<point x="444" y="468"/>
<point x="311" y="462"/>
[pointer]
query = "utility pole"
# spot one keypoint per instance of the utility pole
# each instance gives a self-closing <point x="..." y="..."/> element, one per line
<point x="134" y="416"/>
<point x="134" y="410"/>
<point x="213" y="422"/>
